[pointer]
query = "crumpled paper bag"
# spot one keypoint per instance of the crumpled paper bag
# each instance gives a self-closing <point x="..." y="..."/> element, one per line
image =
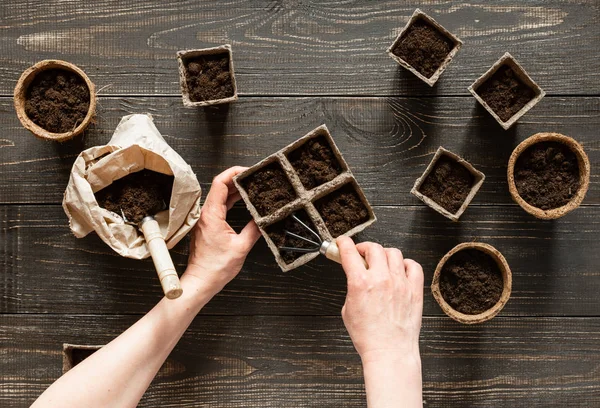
<point x="135" y="145"/>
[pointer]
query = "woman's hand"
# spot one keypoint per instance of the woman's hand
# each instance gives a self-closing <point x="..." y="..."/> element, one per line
<point x="217" y="252"/>
<point x="382" y="313"/>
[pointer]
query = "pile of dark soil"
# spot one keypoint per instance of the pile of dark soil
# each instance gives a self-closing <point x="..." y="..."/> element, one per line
<point x="279" y="238"/>
<point x="208" y="77"/>
<point x="547" y="175"/>
<point x="138" y="194"/>
<point x="471" y="282"/>
<point x="315" y="162"/>
<point x="269" y="189"/>
<point x="57" y="100"/>
<point x="505" y="93"/>
<point x="424" y="47"/>
<point x="342" y="210"/>
<point x="448" y="184"/>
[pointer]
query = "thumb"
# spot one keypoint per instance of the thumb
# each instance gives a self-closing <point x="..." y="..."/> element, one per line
<point x="249" y="235"/>
<point x="352" y="262"/>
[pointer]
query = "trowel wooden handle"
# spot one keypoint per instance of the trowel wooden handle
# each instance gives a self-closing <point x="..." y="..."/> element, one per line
<point x="161" y="258"/>
<point x="331" y="251"/>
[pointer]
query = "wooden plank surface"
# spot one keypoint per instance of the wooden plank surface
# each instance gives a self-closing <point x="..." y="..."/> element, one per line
<point x="292" y="47"/>
<point x="45" y="269"/>
<point x="387" y="142"/>
<point x="295" y="361"/>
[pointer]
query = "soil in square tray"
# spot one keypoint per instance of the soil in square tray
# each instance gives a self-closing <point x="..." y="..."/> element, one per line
<point x="448" y="184"/>
<point x="138" y="194"/>
<point x="315" y="162"/>
<point x="208" y="77"/>
<point x="505" y="93"/>
<point x="471" y="282"/>
<point x="547" y="175"/>
<point x="269" y="189"/>
<point x="57" y="100"/>
<point x="424" y="47"/>
<point x="78" y="355"/>
<point x="342" y="210"/>
<point x="279" y="238"/>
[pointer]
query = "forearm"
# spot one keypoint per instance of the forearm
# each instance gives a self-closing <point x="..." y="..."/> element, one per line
<point x="393" y="381"/>
<point x="118" y="374"/>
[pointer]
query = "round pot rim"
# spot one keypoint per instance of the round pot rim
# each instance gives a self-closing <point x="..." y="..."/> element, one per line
<point x="21" y="89"/>
<point x="506" y="279"/>
<point x="584" y="174"/>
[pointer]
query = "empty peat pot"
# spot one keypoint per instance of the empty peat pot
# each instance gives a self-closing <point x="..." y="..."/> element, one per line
<point x="506" y="91"/>
<point x="206" y="76"/>
<point x="424" y="47"/>
<point x="448" y="184"/>
<point x="472" y="282"/>
<point x="55" y="100"/>
<point x="548" y="175"/>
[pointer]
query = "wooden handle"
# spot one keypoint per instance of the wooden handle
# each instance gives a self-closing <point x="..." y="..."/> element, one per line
<point x="331" y="251"/>
<point x="161" y="258"/>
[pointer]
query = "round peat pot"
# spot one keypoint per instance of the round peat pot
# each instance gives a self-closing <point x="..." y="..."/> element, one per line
<point x="506" y="284"/>
<point x="583" y="169"/>
<point x="20" y="98"/>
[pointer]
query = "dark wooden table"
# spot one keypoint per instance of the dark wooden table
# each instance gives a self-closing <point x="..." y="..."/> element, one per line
<point x="277" y="340"/>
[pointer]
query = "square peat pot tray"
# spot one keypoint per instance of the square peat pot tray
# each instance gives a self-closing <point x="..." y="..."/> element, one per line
<point x="309" y="179"/>
<point x="74" y="354"/>
<point x="506" y="91"/>
<point x="424" y="47"/>
<point x="448" y="184"/>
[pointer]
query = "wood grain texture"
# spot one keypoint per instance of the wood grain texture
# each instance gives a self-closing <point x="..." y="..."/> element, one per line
<point x="299" y="47"/>
<point x="45" y="269"/>
<point x="388" y="142"/>
<point x="295" y="361"/>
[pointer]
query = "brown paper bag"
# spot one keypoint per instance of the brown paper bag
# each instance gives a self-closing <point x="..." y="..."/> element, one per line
<point x="135" y="145"/>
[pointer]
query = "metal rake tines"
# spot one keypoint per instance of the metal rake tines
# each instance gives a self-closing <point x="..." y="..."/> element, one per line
<point x="317" y="242"/>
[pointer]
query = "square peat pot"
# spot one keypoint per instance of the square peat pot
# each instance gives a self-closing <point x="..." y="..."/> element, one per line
<point x="424" y="47"/>
<point x="310" y="179"/>
<point x="448" y="184"/>
<point x="74" y="354"/>
<point x="206" y="76"/>
<point x="506" y="91"/>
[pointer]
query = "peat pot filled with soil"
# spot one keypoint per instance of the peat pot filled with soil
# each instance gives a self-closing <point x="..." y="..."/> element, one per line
<point x="206" y="76"/>
<point x="424" y="47"/>
<point x="472" y="282"/>
<point x="548" y="175"/>
<point x="55" y="100"/>
<point x="448" y="184"/>
<point x="506" y="91"/>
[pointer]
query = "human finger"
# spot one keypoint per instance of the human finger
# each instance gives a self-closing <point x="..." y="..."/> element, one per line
<point x="233" y="198"/>
<point x="414" y="274"/>
<point x="249" y="235"/>
<point x="222" y="185"/>
<point x="395" y="262"/>
<point x="374" y="254"/>
<point x="351" y="260"/>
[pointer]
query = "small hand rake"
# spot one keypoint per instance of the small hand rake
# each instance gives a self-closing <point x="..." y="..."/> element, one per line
<point x="317" y="244"/>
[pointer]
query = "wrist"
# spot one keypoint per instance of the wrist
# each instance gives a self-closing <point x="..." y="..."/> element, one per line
<point x="408" y="357"/>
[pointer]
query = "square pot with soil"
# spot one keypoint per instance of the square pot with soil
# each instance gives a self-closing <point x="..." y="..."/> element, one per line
<point x="506" y="91"/>
<point x="307" y="173"/>
<point x="548" y="175"/>
<point x="74" y="354"/>
<point x="448" y="184"/>
<point x="424" y="47"/>
<point x="206" y="76"/>
<point x="472" y="282"/>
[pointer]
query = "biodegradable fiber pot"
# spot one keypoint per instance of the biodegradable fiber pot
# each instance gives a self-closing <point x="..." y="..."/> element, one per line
<point x="20" y="95"/>
<point x="427" y="49"/>
<point x="74" y="354"/>
<point x="506" y="278"/>
<point x="584" y="175"/>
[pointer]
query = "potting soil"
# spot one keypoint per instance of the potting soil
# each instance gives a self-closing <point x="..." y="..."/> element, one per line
<point x="138" y="194"/>
<point x="280" y="238"/>
<point x="269" y="189"/>
<point x="471" y="282"/>
<point x="505" y="93"/>
<point x="208" y="77"/>
<point x="57" y="100"/>
<point x="315" y="163"/>
<point x="448" y="184"/>
<point x="547" y="175"/>
<point x="342" y="210"/>
<point x="424" y="47"/>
